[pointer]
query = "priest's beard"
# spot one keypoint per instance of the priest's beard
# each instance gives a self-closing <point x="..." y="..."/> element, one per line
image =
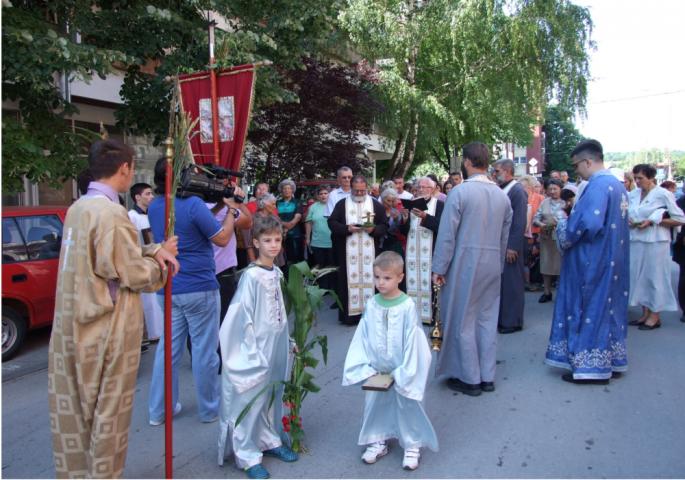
<point x="463" y="172"/>
<point x="358" y="199"/>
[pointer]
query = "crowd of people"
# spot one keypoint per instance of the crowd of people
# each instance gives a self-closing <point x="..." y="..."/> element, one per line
<point x="470" y="244"/>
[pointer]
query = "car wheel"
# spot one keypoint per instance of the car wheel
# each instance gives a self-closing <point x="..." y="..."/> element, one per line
<point x="13" y="332"/>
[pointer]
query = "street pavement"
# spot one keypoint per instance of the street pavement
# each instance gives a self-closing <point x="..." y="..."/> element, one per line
<point x="534" y="425"/>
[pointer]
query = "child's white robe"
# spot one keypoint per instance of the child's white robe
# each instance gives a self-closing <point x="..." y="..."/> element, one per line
<point x="389" y="339"/>
<point x="254" y="351"/>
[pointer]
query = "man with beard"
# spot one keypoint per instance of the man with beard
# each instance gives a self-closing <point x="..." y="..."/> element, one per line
<point x="468" y="263"/>
<point x="421" y="231"/>
<point x="357" y="225"/>
<point x="513" y="278"/>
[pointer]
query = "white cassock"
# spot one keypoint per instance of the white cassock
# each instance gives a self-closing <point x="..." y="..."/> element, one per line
<point x="152" y="311"/>
<point x="254" y="351"/>
<point x="389" y="339"/>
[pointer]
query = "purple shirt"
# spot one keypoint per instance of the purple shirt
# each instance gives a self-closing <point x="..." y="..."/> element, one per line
<point x="224" y="257"/>
<point x="96" y="189"/>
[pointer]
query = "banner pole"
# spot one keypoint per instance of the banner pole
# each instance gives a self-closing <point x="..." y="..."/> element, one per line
<point x="168" y="407"/>
<point x="215" y="101"/>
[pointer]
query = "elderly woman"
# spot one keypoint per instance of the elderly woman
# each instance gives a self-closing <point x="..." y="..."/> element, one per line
<point x="393" y="238"/>
<point x="290" y="212"/>
<point x="548" y="215"/>
<point x="650" y="237"/>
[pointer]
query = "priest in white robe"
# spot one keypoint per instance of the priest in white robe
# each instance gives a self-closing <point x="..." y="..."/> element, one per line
<point x="422" y="231"/>
<point x="357" y="225"/>
<point x="468" y="262"/>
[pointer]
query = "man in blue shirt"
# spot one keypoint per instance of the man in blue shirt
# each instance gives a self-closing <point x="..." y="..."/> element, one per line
<point x="195" y="297"/>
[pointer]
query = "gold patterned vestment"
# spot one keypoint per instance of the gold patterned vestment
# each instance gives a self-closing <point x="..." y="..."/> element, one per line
<point x="95" y="344"/>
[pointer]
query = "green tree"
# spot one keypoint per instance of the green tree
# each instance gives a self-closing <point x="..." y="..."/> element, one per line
<point x="150" y="40"/>
<point x="39" y="143"/>
<point x="561" y="137"/>
<point x="454" y="71"/>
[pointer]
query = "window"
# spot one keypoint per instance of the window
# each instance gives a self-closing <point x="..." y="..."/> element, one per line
<point x="13" y="246"/>
<point x="43" y="234"/>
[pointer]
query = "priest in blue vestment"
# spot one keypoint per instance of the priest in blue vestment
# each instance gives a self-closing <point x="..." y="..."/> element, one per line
<point x="590" y="314"/>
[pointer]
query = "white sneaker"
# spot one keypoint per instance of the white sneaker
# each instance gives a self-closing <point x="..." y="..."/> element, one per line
<point x="177" y="410"/>
<point x="374" y="451"/>
<point x="411" y="458"/>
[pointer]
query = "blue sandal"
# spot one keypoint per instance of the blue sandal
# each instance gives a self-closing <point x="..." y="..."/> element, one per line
<point x="257" y="471"/>
<point x="282" y="453"/>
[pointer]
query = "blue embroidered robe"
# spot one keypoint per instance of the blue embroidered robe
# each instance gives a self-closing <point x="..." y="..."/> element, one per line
<point x="590" y="314"/>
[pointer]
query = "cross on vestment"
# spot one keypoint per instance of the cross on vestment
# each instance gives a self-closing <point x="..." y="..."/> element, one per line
<point x="68" y="242"/>
<point x="368" y="218"/>
<point x="624" y="205"/>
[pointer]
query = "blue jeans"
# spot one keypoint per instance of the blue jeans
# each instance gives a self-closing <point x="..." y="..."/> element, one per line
<point x="196" y="314"/>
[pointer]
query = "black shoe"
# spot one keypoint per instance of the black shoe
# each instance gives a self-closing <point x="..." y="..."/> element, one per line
<point x="568" y="377"/>
<point x="465" y="388"/>
<point x="487" y="386"/>
<point x="505" y="330"/>
<point x="644" y="326"/>
<point x="545" y="297"/>
<point x="682" y="319"/>
<point x="616" y="374"/>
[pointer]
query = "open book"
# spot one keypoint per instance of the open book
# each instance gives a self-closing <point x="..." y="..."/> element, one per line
<point x="381" y="382"/>
<point x="418" y="203"/>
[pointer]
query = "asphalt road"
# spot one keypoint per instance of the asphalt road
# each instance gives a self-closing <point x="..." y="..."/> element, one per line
<point x="533" y="425"/>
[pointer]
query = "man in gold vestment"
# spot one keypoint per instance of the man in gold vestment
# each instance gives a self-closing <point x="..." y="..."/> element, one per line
<point x="95" y="344"/>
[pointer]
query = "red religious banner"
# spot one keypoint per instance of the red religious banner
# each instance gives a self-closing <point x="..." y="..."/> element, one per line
<point x="234" y="91"/>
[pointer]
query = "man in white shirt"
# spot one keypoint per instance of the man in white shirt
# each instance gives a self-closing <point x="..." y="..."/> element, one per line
<point x="402" y="194"/>
<point x="343" y="190"/>
<point x="141" y="194"/>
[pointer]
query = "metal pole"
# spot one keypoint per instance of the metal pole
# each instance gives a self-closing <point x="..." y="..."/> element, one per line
<point x="215" y="100"/>
<point x="168" y="407"/>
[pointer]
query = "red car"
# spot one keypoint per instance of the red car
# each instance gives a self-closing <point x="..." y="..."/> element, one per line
<point x="31" y="241"/>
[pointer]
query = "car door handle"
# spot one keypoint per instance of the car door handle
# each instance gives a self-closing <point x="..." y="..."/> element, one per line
<point x="19" y="278"/>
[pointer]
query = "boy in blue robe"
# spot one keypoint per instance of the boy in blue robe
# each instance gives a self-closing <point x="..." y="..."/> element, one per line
<point x="591" y="312"/>
<point x="390" y="340"/>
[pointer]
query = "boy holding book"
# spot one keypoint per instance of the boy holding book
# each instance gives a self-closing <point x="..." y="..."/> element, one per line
<point x="389" y="344"/>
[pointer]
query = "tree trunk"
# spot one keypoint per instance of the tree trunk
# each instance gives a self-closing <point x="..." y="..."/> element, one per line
<point x="410" y="148"/>
<point x="397" y="155"/>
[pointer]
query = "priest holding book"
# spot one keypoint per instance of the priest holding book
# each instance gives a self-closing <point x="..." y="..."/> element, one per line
<point x="357" y="225"/>
<point x="421" y="231"/>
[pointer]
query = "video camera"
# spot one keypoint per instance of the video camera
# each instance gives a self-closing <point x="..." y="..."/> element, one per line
<point x="209" y="182"/>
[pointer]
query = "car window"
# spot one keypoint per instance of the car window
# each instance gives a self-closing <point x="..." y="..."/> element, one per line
<point x="13" y="246"/>
<point x="43" y="234"/>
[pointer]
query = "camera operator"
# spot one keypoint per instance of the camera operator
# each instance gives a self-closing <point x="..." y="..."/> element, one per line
<point x="195" y="296"/>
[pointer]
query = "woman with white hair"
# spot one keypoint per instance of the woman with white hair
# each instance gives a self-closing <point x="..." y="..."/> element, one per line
<point x="392" y="240"/>
<point x="290" y="212"/>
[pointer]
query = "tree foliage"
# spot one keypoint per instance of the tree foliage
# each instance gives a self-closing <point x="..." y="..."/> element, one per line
<point x="318" y="133"/>
<point x="39" y="143"/>
<point x="454" y="71"/>
<point x="150" y="40"/>
<point x="561" y="137"/>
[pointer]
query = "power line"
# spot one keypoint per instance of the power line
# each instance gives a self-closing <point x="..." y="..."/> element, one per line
<point x="636" y="97"/>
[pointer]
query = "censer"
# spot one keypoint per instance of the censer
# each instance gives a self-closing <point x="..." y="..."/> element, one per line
<point x="436" y="331"/>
